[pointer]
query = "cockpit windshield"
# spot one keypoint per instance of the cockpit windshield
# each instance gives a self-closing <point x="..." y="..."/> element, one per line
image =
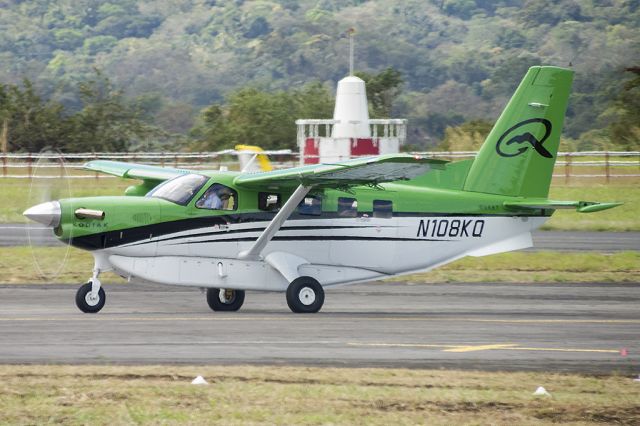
<point x="179" y="190"/>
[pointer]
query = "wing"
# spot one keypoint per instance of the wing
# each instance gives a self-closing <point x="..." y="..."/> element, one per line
<point x="361" y="171"/>
<point x="151" y="176"/>
<point x="133" y="170"/>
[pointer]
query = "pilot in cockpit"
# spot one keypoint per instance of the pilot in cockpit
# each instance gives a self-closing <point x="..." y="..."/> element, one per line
<point x="216" y="198"/>
<point x="211" y="200"/>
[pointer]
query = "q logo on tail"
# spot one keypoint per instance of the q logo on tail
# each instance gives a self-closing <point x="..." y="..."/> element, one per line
<point x="507" y="149"/>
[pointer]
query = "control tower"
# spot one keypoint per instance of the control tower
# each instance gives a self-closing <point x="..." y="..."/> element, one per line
<point x="350" y="133"/>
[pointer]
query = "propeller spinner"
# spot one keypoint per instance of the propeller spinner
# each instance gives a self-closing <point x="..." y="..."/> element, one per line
<point x="47" y="213"/>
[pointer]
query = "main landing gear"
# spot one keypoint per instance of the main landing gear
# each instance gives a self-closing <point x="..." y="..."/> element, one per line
<point x="305" y="295"/>
<point x="220" y="299"/>
<point x="90" y="297"/>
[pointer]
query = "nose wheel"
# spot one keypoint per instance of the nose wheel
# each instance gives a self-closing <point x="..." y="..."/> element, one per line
<point x="90" y="297"/>
<point x="88" y="301"/>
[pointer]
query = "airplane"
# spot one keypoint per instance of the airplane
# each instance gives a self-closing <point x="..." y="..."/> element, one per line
<point x="300" y="230"/>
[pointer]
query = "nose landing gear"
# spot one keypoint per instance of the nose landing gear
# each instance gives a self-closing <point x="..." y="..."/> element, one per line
<point x="90" y="297"/>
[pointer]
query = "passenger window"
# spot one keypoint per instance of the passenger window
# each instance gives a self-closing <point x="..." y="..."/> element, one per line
<point x="347" y="207"/>
<point x="312" y="205"/>
<point x="382" y="209"/>
<point x="269" y="202"/>
<point x="218" y="197"/>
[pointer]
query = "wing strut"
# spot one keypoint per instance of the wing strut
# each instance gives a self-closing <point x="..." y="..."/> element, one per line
<point x="276" y="223"/>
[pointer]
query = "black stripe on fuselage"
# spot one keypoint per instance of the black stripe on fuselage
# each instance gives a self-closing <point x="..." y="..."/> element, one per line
<point x="311" y="238"/>
<point x="143" y="234"/>
<point x="248" y="230"/>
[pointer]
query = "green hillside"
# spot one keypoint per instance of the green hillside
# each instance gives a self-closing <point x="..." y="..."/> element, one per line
<point x="459" y="59"/>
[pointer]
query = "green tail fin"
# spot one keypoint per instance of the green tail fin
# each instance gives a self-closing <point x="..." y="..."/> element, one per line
<point x="518" y="156"/>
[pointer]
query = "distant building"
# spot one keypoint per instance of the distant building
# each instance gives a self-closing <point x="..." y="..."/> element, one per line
<point x="351" y="133"/>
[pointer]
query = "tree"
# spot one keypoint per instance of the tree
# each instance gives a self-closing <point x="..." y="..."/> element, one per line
<point x="28" y="123"/>
<point x="468" y="136"/>
<point x="625" y="130"/>
<point x="313" y="101"/>
<point x="254" y="117"/>
<point x="382" y="89"/>
<point x="107" y="121"/>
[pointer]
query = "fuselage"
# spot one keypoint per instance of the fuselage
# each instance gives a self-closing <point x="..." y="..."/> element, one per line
<point x="339" y="236"/>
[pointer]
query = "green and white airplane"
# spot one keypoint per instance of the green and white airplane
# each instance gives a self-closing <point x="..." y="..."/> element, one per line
<point x="302" y="229"/>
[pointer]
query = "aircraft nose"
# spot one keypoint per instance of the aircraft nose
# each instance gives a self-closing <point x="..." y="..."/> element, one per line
<point x="47" y="213"/>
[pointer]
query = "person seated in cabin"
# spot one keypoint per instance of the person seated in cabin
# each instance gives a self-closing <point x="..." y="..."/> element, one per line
<point x="217" y="197"/>
<point x="210" y="200"/>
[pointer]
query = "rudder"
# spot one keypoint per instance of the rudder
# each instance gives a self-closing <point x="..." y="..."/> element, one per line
<point x="519" y="154"/>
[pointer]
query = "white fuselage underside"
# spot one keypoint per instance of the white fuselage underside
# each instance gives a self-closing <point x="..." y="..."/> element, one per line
<point x="333" y="251"/>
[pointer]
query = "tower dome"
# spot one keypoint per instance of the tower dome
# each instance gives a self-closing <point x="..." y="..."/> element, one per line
<point x="351" y="113"/>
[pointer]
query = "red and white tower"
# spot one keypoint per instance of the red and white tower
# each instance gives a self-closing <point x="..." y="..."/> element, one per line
<point x="351" y="133"/>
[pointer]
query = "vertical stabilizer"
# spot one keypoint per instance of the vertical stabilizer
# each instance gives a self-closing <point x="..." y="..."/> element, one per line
<point x="518" y="156"/>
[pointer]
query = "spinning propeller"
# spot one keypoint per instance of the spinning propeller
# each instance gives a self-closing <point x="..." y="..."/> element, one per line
<point x="49" y="182"/>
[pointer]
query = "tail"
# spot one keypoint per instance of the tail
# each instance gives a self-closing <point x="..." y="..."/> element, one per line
<point x="518" y="156"/>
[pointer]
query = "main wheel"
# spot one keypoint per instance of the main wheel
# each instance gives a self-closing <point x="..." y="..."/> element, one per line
<point x="88" y="304"/>
<point x="305" y="295"/>
<point x="220" y="299"/>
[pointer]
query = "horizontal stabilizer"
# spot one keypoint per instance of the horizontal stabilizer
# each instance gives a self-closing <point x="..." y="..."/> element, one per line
<point x="580" y="206"/>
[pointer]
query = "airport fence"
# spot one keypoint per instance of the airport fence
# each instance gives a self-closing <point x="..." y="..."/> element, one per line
<point x="604" y="165"/>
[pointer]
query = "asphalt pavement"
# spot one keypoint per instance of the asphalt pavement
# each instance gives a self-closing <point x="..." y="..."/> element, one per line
<point x="591" y="328"/>
<point x="16" y="234"/>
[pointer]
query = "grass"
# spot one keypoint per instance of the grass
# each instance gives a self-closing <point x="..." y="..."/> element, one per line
<point x="100" y="395"/>
<point x="545" y="266"/>
<point x="48" y="265"/>
<point x="20" y="194"/>
<point x="68" y="265"/>
<point x="622" y="218"/>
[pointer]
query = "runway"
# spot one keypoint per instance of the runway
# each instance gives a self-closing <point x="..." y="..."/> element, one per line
<point x="15" y="234"/>
<point x="548" y="327"/>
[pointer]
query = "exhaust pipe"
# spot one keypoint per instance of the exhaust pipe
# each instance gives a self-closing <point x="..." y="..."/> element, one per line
<point x="89" y="214"/>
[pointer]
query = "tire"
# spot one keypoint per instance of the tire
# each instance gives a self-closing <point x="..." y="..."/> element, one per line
<point x="305" y="295"/>
<point x="85" y="304"/>
<point x="217" y="304"/>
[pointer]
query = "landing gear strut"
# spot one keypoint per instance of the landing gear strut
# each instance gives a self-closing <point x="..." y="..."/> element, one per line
<point x="305" y="295"/>
<point x="220" y="299"/>
<point x="90" y="297"/>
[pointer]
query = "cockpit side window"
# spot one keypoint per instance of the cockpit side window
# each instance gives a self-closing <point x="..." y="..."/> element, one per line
<point x="218" y="197"/>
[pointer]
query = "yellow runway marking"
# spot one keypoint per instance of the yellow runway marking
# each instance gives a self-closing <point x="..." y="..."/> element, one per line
<point x="472" y="348"/>
<point x="479" y="348"/>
